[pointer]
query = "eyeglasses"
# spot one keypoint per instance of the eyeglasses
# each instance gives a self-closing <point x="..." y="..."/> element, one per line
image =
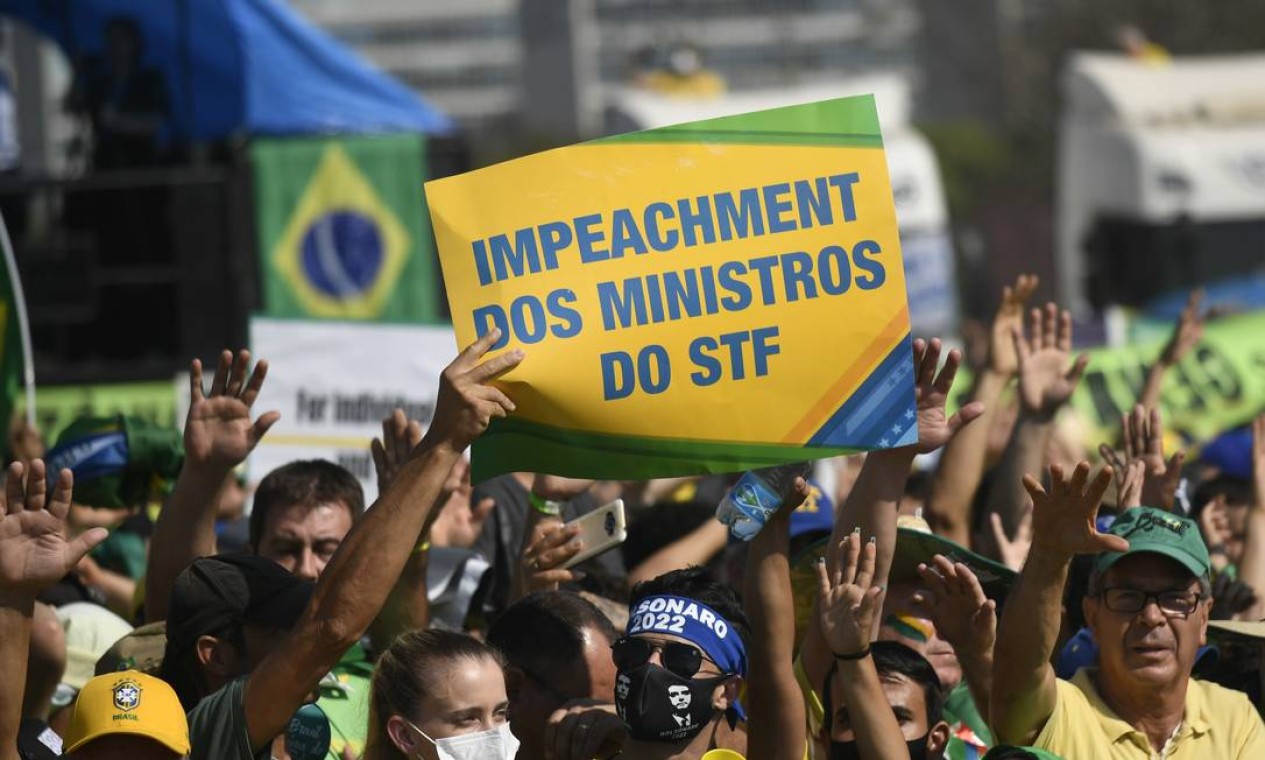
<point x="1171" y="603"/>
<point x="682" y="659"/>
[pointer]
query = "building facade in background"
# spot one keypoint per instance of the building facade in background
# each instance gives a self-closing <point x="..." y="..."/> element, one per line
<point x="544" y="68"/>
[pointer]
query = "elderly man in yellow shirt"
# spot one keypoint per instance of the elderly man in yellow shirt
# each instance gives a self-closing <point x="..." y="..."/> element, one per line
<point x="1147" y="605"/>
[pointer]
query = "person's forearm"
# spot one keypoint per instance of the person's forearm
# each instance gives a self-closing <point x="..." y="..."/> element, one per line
<point x="407" y="608"/>
<point x="119" y="592"/>
<point x="870" y="506"/>
<point x="1252" y="566"/>
<point x="961" y="466"/>
<point x="1150" y="396"/>
<point x="776" y="727"/>
<point x="695" y="548"/>
<point x="874" y="725"/>
<point x="349" y="594"/>
<point x="977" y="671"/>
<point x="1023" y="680"/>
<point x="357" y="580"/>
<point x="1025" y="453"/>
<point x="15" y="637"/>
<point x="185" y="530"/>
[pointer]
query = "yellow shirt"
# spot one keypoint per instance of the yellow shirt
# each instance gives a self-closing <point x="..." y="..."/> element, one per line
<point x="1218" y="723"/>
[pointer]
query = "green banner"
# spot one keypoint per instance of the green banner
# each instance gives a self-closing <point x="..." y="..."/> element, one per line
<point x="1217" y="386"/>
<point x="342" y="229"/>
<point x="57" y="406"/>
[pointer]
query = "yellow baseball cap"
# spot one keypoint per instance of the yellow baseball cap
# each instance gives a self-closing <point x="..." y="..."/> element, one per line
<point x="128" y="702"/>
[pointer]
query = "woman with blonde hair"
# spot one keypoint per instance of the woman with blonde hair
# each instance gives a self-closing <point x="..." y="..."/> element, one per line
<point x="438" y="695"/>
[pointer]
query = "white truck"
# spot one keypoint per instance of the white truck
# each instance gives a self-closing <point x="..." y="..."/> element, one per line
<point x="1161" y="176"/>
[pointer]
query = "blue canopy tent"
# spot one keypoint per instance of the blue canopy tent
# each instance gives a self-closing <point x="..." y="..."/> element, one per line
<point x="242" y="67"/>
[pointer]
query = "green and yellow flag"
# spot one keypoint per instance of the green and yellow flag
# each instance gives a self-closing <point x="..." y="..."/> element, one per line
<point x="342" y="229"/>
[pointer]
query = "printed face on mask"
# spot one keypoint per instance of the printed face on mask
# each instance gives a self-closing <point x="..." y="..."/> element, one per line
<point x="666" y="687"/>
<point x="679" y="696"/>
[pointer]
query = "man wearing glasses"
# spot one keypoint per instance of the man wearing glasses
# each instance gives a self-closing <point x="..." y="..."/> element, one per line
<point x="1147" y="606"/>
<point x="679" y="667"/>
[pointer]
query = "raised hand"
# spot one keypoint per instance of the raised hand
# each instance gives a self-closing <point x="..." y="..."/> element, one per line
<point x="400" y="436"/>
<point x="460" y="522"/>
<point x="34" y="550"/>
<point x="1188" y="331"/>
<point x="1063" y="520"/>
<point x="1046" y="382"/>
<point x="1129" y="486"/>
<point x="1143" y="435"/>
<point x="846" y="601"/>
<point x="467" y="404"/>
<point x="1012" y="551"/>
<point x="218" y="431"/>
<point x="931" y="392"/>
<point x="964" y="616"/>
<point x="1002" y="358"/>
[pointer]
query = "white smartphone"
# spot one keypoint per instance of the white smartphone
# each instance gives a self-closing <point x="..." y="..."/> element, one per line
<point x="600" y="530"/>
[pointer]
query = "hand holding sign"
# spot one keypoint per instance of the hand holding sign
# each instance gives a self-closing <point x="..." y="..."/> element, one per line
<point x="466" y="403"/>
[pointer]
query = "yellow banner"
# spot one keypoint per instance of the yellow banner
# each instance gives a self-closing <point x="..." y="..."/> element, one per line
<point x="698" y="298"/>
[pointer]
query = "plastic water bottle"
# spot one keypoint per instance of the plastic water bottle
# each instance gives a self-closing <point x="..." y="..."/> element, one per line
<point x="756" y="495"/>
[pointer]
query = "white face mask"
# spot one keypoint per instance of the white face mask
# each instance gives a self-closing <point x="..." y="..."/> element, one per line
<point x="497" y="744"/>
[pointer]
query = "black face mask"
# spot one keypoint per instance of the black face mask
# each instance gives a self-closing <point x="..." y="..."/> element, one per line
<point x="852" y="751"/>
<point x="658" y="705"/>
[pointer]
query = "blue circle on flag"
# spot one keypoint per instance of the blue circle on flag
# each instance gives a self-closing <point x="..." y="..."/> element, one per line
<point x="342" y="253"/>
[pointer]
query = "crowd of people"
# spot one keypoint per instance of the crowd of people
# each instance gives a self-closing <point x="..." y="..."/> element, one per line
<point x="992" y="590"/>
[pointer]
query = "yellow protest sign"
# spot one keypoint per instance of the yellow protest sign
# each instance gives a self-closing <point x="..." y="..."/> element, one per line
<point x="698" y="298"/>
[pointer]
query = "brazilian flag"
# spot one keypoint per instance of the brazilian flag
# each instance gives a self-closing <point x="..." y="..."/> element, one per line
<point x="342" y="229"/>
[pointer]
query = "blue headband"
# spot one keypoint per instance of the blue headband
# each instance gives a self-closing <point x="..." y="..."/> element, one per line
<point x="699" y="624"/>
<point x="695" y="622"/>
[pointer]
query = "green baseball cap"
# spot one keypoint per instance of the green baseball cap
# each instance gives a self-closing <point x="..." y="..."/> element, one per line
<point x="1148" y="529"/>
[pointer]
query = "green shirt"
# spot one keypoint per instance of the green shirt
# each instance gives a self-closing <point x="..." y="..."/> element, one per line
<point x="345" y="701"/>
<point x="959" y="708"/>
<point x="217" y="727"/>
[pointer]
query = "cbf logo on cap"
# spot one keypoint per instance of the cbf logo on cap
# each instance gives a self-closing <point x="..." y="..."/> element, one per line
<point x="127" y="695"/>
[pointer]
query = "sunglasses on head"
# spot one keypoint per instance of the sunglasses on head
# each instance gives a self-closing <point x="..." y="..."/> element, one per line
<point x="681" y="659"/>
